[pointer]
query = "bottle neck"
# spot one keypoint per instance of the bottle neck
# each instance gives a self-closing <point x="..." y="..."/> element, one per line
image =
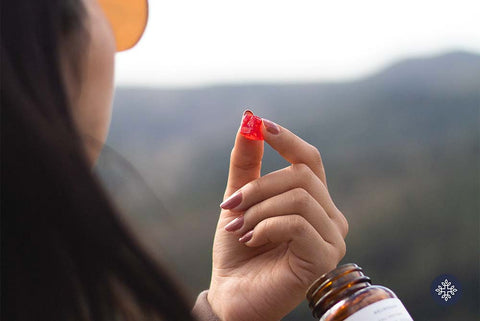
<point x="335" y="286"/>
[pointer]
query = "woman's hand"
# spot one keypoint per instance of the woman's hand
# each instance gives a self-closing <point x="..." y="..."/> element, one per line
<point x="276" y="234"/>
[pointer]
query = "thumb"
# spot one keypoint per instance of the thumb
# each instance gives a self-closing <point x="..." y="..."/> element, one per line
<point x="245" y="163"/>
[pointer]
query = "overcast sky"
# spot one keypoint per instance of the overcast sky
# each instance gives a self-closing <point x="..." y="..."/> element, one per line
<point x="203" y="42"/>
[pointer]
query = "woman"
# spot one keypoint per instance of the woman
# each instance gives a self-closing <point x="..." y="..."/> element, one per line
<point x="65" y="253"/>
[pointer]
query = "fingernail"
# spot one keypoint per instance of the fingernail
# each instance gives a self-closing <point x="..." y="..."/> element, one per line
<point x="247" y="237"/>
<point x="235" y="224"/>
<point x="232" y="202"/>
<point x="247" y="112"/>
<point x="271" y="127"/>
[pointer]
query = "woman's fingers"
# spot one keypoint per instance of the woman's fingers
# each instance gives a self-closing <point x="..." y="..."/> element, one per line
<point x="296" y="201"/>
<point x="293" y="148"/>
<point x="306" y="172"/>
<point x="281" y="181"/>
<point x="302" y="238"/>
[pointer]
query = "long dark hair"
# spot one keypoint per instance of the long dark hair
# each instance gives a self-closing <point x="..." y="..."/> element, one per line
<point x="64" y="253"/>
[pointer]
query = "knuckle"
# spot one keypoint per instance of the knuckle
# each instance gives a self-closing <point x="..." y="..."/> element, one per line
<point x="265" y="229"/>
<point x="247" y="164"/>
<point x="243" y="161"/>
<point x="301" y="169"/>
<point x="315" y="154"/>
<point x="343" y="224"/>
<point x="263" y="226"/>
<point x="254" y="212"/>
<point x="342" y="249"/>
<point x="255" y="187"/>
<point x="302" y="172"/>
<point x="297" y="225"/>
<point x="301" y="198"/>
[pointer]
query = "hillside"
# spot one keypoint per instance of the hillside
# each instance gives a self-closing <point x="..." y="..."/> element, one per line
<point x="401" y="150"/>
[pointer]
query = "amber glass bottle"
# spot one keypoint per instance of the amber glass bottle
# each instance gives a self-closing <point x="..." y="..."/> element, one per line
<point x="347" y="294"/>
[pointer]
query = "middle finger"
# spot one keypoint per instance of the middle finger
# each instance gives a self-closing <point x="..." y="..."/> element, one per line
<point x="278" y="182"/>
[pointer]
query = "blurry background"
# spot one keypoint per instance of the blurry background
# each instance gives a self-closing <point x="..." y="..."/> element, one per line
<point x="388" y="91"/>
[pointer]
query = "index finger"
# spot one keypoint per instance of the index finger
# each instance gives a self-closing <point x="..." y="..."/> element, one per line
<point x="294" y="149"/>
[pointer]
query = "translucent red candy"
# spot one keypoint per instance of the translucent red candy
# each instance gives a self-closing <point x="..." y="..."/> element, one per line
<point x="251" y="126"/>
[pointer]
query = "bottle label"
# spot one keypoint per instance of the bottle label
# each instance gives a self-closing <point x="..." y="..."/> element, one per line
<point x="384" y="310"/>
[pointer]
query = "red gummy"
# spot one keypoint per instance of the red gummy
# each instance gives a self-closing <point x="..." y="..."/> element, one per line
<point x="251" y="126"/>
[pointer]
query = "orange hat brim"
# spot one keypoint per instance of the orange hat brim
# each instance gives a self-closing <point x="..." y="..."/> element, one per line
<point x="128" y="19"/>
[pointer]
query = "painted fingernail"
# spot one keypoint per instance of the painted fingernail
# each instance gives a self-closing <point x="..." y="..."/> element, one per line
<point x="247" y="237"/>
<point x="235" y="224"/>
<point x="232" y="202"/>
<point x="271" y="127"/>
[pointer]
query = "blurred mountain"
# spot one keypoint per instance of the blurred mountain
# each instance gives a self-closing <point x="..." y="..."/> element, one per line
<point x="402" y="155"/>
